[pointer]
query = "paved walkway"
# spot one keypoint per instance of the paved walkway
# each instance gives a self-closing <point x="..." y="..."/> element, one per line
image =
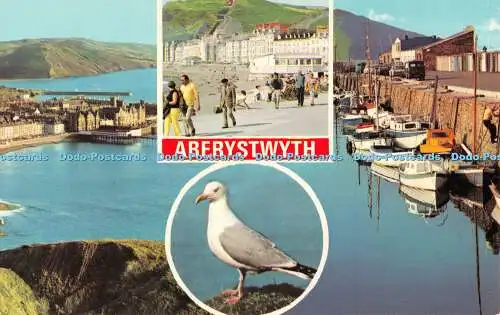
<point x="488" y="81"/>
<point x="264" y="120"/>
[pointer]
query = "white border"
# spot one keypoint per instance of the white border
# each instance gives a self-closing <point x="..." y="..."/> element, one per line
<point x="331" y="48"/>
<point x="159" y="92"/>
<point x="159" y="73"/>
<point x="217" y="166"/>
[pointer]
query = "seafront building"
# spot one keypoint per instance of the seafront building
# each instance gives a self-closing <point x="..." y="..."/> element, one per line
<point x="23" y="118"/>
<point x="271" y="47"/>
<point x="453" y="53"/>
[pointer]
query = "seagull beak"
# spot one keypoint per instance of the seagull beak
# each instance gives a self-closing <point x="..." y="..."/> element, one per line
<point x="200" y="198"/>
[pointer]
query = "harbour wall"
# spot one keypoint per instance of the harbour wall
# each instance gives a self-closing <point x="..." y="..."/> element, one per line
<point x="454" y="109"/>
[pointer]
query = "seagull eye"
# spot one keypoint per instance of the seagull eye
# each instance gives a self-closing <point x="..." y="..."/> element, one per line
<point x="216" y="189"/>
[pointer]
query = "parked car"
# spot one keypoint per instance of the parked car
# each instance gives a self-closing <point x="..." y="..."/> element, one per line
<point x="383" y="69"/>
<point x="415" y="70"/>
<point x="397" y="69"/>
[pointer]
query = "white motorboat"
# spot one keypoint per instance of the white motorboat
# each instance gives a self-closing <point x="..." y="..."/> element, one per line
<point x="407" y="132"/>
<point x="426" y="175"/>
<point x="387" y="156"/>
<point x="425" y="203"/>
<point x="390" y="174"/>
<point x="365" y="140"/>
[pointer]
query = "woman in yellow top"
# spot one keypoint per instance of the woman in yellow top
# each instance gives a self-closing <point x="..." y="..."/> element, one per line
<point x="312" y="87"/>
<point x="172" y="111"/>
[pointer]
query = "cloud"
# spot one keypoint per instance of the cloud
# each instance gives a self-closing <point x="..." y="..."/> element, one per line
<point x="493" y="25"/>
<point x="380" y="17"/>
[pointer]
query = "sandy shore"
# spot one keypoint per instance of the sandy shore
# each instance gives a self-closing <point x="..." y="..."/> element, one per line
<point x="23" y="144"/>
<point x="208" y="76"/>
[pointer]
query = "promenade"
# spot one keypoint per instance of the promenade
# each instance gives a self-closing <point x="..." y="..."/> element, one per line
<point x="264" y="120"/>
<point x="27" y="143"/>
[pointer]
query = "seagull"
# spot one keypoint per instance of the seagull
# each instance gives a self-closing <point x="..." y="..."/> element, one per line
<point x="242" y="248"/>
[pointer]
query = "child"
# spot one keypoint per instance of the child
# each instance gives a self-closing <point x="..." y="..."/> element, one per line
<point x="241" y="99"/>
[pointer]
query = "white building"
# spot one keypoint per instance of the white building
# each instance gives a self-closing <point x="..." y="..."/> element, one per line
<point x="286" y="63"/>
<point x="53" y="128"/>
<point x="406" y="49"/>
<point x="308" y="49"/>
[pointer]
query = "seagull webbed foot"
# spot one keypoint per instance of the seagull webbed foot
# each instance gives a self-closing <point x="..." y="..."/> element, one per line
<point x="232" y="300"/>
<point x="230" y="292"/>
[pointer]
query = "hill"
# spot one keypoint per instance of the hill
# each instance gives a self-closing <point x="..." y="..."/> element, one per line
<point x="182" y="19"/>
<point x="56" y="58"/>
<point x="109" y="277"/>
<point x="381" y="35"/>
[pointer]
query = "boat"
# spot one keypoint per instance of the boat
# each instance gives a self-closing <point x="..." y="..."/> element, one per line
<point x="390" y="174"/>
<point x="365" y="140"/>
<point x="470" y="174"/>
<point x="365" y="127"/>
<point x="425" y="203"/>
<point x="386" y="155"/>
<point x="495" y="193"/>
<point x="440" y="141"/>
<point x="354" y="119"/>
<point x="407" y="132"/>
<point x="426" y="175"/>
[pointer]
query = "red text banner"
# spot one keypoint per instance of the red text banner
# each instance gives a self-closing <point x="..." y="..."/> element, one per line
<point x="236" y="149"/>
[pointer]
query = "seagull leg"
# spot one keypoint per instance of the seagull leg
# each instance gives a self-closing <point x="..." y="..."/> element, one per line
<point x="239" y="290"/>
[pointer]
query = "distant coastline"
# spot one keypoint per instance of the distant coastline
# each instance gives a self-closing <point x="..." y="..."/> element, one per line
<point x="104" y="72"/>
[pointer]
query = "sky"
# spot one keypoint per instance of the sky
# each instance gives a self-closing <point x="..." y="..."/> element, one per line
<point x="130" y="21"/>
<point x="434" y="17"/>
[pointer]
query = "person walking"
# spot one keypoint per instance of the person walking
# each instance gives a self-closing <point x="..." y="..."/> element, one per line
<point x="300" y="88"/>
<point x="312" y="87"/>
<point x="172" y="111"/>
<point x="228" y="101"/>
<point x="487" y="122"/>
<point x="277" y="86"/>
<point x="192" y="98"/>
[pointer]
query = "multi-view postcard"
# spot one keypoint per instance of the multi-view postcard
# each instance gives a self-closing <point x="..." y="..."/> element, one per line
<point x="245" y="81"/>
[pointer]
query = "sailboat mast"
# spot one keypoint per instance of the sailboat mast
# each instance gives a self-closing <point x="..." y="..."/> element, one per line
<point x="474" y="104"/>
<point x="368" y="59"/>
<point x="377" y="97"/>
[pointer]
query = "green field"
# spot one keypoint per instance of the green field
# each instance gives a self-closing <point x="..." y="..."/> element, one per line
<point x="53" y="58"/>
<point x="182" y="18"/>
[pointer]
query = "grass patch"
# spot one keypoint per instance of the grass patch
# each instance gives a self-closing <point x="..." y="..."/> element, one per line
<point x="17" y="298"/>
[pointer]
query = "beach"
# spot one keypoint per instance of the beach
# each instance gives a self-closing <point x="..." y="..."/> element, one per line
<point x="207" y="78"/>
<point x="28" y="143"/>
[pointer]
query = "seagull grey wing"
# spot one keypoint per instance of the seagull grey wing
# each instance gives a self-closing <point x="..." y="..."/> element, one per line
<point x="253" y="249"/>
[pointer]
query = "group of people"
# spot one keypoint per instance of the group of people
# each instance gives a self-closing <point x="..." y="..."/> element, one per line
<point x="184" y="101"/>
<point x="303" y="85"/>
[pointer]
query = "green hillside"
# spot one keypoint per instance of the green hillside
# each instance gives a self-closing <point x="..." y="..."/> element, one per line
<point x="54" y="58"/>
<point x="181" y="19"/>
<point x="185" y="17"/>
